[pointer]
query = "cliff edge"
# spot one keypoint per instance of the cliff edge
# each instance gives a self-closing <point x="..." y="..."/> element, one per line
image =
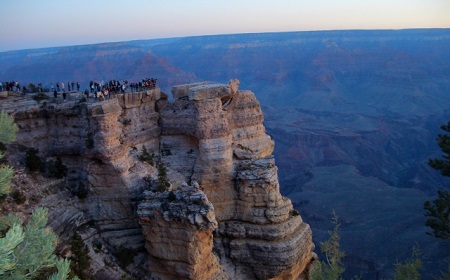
<point x="206" y="204"/>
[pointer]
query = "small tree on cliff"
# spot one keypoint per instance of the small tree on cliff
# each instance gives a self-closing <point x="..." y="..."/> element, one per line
<point x="438" y="210"/>
<point x="332" y="268"/>
<point x="409" y="270"/>
<point x="26" y="252"/>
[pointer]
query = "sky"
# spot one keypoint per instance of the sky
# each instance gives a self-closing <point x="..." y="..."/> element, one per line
<point x="26" y="24"/>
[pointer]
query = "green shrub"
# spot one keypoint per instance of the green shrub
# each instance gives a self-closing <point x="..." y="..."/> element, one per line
<point x="172" y="196"/>
<point x="80" y="262"/>
<point x="81" y="191"/>
<point x="331" y="269"/>
<point x="2" y="147"/>
<point x="125" y="256"/>
<point x="56" y="169"/>
<point x="198" y="202"/>
<point x="126" y="122"/>
<point x="244" y="148"/>
<point x="32" y="87"/>
<point x="19" y="197"/>
<point x="146" y="157"/>
<point x="32" y="161"/>
<point x="162" y="177"/>
<point x="29" y="250"/>
<point x="409" y="270"/>
<point x="40" y="96"/>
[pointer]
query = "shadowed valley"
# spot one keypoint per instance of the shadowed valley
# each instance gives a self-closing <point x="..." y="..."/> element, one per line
<point x="354" y="116"/>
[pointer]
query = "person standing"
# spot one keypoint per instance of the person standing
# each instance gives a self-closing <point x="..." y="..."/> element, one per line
<point x="78" y="86"/>
<point x="62" y="87"/>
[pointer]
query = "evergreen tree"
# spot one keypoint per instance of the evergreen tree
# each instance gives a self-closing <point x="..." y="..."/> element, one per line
<point x="25" y="251"/>
<point x="409" y="270"/>
<point x="332" y="268"/>
<point x="7" y="134"/>
<point x="438" y="210"/>
<point x="438" y="215"/>
<point x="444" y="143"/>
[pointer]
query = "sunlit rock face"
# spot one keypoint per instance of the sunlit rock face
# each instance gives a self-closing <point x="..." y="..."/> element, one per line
<point x="213" y="135"/>
<point x="98" y="141"/>
<point x="220" y="217"/>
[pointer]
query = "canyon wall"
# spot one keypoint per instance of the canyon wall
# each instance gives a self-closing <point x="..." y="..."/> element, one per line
<point x="221" y="216"/>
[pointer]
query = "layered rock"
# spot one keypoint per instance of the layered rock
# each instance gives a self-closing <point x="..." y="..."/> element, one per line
<point x="178" y="226"/>
<point x="99" y="143"/>
<point x="231" y="223"/>
<point x="213" y="134"/>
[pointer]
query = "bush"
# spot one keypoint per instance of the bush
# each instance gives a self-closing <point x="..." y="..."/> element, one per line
<point x="32" y="161"/>
<point x="409" y="270"/>
<point x="162" y="177"/>
<point x="32" y="87"/>
<point x="40" y="96"/>
<point x="19" y="197"/>
<point x="2" y="147"/>
<point x="81" y="191"/>
<point x="331" y="269"/>
<point x="172" y="196"/>
<point x="125" y="256"/>
<point x="126" y="122"/>
<point x="56" y="169"/>
<point x="146" y="157"/>
<point x="80" y="262"/>
<point x="244" y="148"/>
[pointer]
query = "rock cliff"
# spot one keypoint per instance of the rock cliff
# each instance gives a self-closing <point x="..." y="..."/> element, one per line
<point x="206" y="205"/>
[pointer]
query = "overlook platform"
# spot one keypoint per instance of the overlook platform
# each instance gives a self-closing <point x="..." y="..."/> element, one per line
<point x="11" y="101"/>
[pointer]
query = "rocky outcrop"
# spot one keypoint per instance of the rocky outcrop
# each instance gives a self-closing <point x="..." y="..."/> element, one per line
<point x="213" y="134"/>
<point x="178" y="227"/>
<point x="221" y="216"/>
<point x="98" y="141"/>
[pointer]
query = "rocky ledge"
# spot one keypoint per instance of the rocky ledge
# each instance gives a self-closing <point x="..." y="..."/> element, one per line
<point x="219" y="214"/>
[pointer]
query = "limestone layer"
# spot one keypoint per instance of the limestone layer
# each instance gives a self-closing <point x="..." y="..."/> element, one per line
<point x="213" y="135"/>
<point x="222" y="215"/>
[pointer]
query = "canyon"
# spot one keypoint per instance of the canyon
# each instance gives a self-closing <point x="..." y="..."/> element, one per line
<point x="354" y="115"/>
<point x="221" y="215"/>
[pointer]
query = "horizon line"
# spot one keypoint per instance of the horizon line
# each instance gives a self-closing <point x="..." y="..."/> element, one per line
<point x="229" y="34"/>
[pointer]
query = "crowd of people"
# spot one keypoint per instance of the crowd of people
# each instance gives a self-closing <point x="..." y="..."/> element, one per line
<point x="10" y="86"/>
<point x="97" y="89"/>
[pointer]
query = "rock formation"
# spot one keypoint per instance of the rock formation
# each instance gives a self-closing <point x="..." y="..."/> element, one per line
<point x="221" y="216"/>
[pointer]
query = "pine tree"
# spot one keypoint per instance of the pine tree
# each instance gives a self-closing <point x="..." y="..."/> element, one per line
<point x="7" y="134"/>
<point x="332" y="268"/>
<point x="444" y="143"/>
<point x="409" y="270"/>
<point x="438" y="210"/>
<point x="25" y="251"/>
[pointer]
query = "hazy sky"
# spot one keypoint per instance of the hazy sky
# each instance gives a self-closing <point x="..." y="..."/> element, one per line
<point x="42" y="23"/>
